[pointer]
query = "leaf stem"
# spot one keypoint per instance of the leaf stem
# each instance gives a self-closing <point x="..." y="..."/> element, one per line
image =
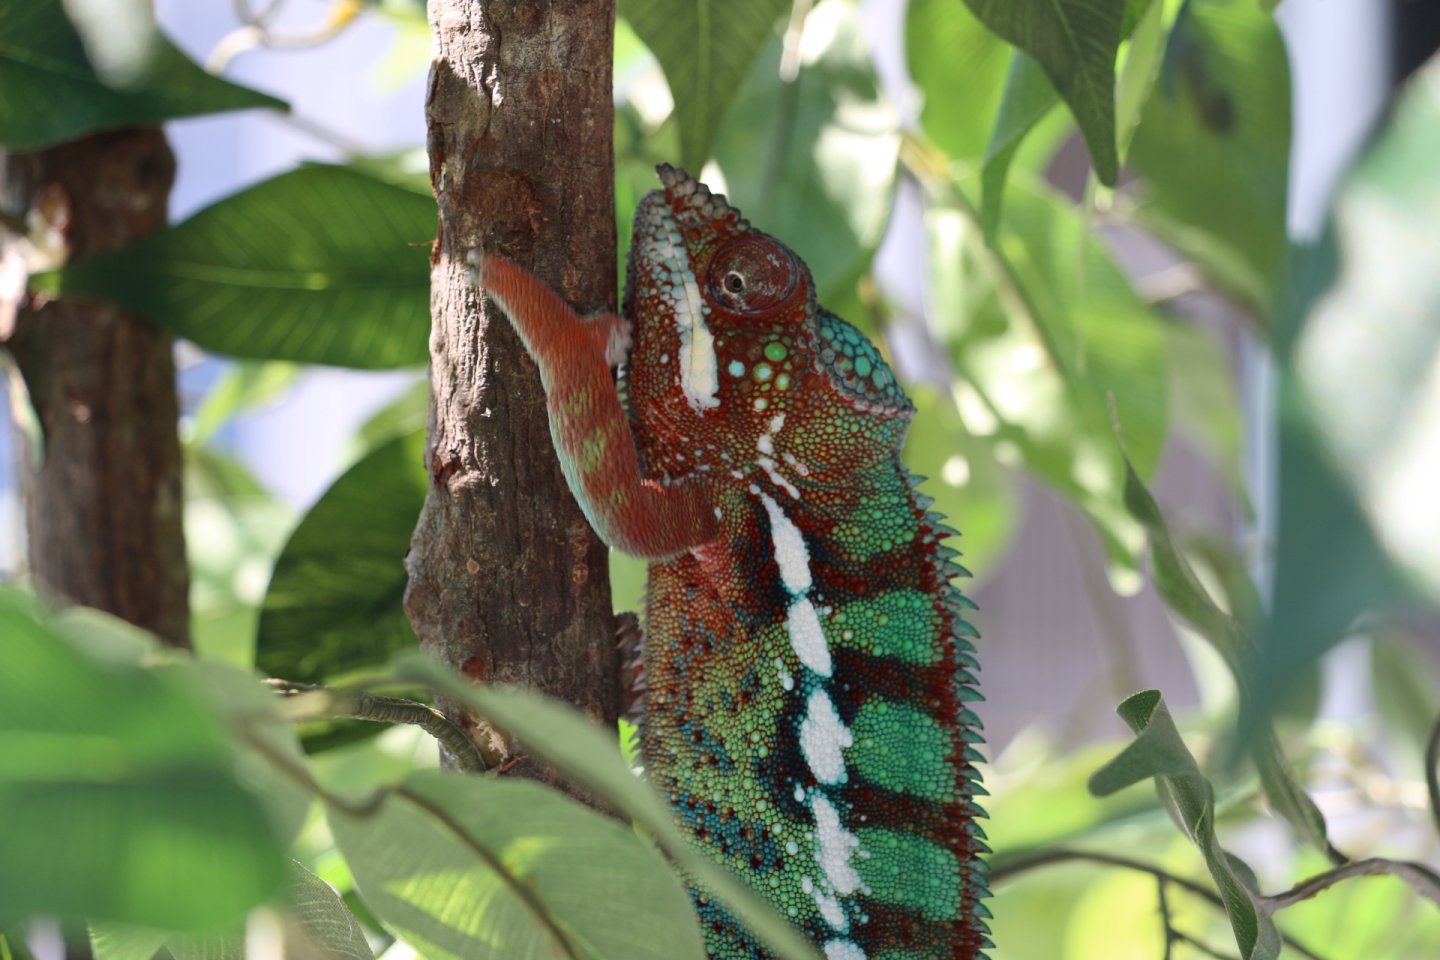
<point x="1432" y="771"/>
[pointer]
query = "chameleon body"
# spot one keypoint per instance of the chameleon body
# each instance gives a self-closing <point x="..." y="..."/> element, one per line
<point x="807" y="659"/>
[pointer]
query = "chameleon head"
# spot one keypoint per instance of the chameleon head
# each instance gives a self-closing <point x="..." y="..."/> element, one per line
<point x="724" y="322"/>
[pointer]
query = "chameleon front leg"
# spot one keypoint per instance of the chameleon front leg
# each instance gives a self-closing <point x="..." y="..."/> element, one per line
<point x="592" y="435"/>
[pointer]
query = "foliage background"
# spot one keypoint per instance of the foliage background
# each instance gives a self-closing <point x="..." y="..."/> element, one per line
<point x="1043" y="328"/>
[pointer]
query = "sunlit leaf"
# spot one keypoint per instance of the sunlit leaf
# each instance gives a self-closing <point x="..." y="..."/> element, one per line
<point x="318" y="265"/>
<point x="1076" y="42"/>
<point x="561" y="737"/>
<point x="1158" y="752"/>
<point x="468" y="868"/>
<point x="53" y="93"/>
<point x="706" y="48"/>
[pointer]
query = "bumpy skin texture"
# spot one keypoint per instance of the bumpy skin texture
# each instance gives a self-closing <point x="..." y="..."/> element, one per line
<point x="806" y="655"/>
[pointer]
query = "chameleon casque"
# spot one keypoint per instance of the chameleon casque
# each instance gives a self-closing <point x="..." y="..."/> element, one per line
<point x="807" y="660"/>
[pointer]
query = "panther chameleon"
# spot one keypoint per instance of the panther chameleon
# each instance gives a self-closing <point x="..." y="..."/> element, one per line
<point x="808" y="663"/>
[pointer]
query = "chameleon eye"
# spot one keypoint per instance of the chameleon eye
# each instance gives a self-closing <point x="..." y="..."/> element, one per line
<point x="753" y="274"/>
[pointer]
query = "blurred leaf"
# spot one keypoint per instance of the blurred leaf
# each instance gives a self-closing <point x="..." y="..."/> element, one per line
<point x="706" y="49"/>
<point x="334" y="607"/>
<point x="1076" y="42"/>
<point x="560" y="736"/>
<point x="470" y="868"/>
<point x="405" y="414"/>
<point x="1159" y="752"/>
<point x="53" y="92"/>
<point x="116" y="791"/>
<point x="958" y="65"/>
<point x="1204" y="401"/>
<point x="115" y="941"/>
<point x="1367" y="361"/>
<point x="1028" y="97"/>
<point x="1037" y="346"/>
<point x="318" y="265"/>
<point x="242" y="387"/>
<point x="1214" y="145"/>
<point x="822" y="175"/>
<point x="968" y="485"/>
<point x="1183" y="593"/>
<point x="316" y="925"/>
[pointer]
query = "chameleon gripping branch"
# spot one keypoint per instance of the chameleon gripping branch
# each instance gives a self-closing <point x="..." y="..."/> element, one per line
<point x="807" y="658"/>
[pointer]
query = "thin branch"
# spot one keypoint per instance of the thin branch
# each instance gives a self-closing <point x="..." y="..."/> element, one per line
<point x="1422" y="879"/>
<point x="316" y="703"/>
<point x="1202" y="946"/>
<point x="1043" y="858"/>
<point x="1163" y="899"/>
<point x="1432" y="771"/>
<point x="254" y="32"/>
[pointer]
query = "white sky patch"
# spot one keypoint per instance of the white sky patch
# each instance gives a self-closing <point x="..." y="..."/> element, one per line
<point x="837" y="846"/>
<point x="822" y="739"/>
<point x="791" y="554"/>
<point x="843" y="950"/>
<point x="807" y="638"/>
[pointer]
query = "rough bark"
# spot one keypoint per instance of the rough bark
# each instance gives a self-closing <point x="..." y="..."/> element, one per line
<point x="507" y="582"/>
<point x="103" y="502"/>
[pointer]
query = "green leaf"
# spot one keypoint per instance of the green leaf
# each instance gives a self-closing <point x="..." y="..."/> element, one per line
<point x="1214" y="145"/>
<point x="315" y="923"/>
<point x="469" y="868"/>
<point x="821" y="173"/>
<point x="959" y="66"/>
<point x="706" y="49"/>
<point x="318" y="265"/>
<point x="1028" y="97"/>
<point x="1158" y="751"/>
<point x="334" y="608"/>
<point x="53" y="93"/>
<point x="1183" y="593"/>
<point x="1038" y="342"/>
<point x="560" y="736"/>
<point x="1076" y="42"/>
<point x="117" y="791"/>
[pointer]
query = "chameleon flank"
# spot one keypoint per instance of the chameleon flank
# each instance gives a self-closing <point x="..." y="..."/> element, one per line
<point x="807" y="659"/>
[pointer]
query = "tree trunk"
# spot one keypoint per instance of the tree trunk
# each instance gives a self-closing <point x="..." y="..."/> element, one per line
<point x="103" y="500"/>
<point x="507" y="582"/>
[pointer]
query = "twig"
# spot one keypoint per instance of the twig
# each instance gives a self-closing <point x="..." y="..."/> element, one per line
<point x="1202" y="946"/>
<point x="1421" y="879"/>
<point x="326" y="703"/>
<point x="1432" y="771"/>
<point x="254" y="31"/>
<point x="1170" y="932"/>
<point x="1043" y="858"/>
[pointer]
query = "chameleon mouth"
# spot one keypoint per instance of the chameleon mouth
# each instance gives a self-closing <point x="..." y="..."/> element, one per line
<point x="667" y="279"/>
